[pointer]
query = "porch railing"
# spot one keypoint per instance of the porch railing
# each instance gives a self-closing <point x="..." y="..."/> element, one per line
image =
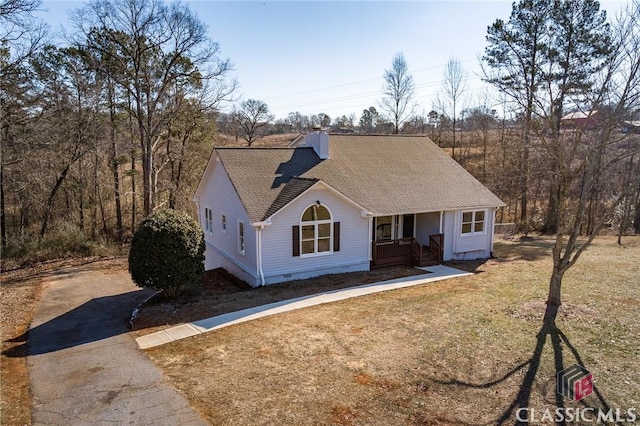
<point x="435" y="246"/>
<point x="391" y="253"/>
<point x="406" y="251"/>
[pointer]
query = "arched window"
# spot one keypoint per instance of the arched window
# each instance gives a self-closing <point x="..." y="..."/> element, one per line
<point x="316" y="234"/>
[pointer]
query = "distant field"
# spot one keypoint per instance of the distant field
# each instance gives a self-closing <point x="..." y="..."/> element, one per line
<point x="463" y="351"/>
<point x="269" y="141"/>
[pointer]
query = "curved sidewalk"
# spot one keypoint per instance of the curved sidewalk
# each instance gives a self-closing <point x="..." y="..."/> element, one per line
<point x="182" y="331"/>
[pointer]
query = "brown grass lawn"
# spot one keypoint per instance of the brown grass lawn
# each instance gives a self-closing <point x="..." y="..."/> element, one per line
<point x="222" y="293"/>
<point x="19" y="293"/>
<point x="452" y="352"/>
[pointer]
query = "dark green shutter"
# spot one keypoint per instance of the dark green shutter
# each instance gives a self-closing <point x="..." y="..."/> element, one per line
<point x="295" y="234"/>
<point x="336" y="236"/>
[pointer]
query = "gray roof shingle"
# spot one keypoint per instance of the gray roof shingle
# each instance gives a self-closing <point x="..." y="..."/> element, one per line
<point x="384" y="174"/>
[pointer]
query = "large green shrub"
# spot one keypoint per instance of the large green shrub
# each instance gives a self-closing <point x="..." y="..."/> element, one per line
<point x="167" y="253"/>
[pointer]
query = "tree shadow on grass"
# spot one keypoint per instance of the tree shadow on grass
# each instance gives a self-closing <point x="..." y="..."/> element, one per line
<point x="521" y="402"/>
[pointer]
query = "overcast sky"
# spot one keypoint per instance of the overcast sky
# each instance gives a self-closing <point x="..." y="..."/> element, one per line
<point x="330" y="57"/>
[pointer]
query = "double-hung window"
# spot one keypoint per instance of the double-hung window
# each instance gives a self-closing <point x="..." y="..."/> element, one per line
<point x="315" y="231"/>
<point x="240" y="237"/>
<point x="223" y="223"/>
<point x="208" y="220"/>
<point x="473" y="222"/>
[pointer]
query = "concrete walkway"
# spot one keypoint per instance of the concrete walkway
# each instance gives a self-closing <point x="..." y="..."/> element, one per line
<point x="84" y="368"/>
<point x="182" y="331"/>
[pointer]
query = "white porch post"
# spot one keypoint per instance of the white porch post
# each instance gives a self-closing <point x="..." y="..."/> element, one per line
<point x="415" y="224"/>
<point x="441" y="220"/>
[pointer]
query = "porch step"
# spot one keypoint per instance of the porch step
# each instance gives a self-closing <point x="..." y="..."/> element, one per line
<point x="428" y="259"/>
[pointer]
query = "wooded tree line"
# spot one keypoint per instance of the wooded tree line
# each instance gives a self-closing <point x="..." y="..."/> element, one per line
<point x="120" y="121"/>
<point x="103" y="131"/>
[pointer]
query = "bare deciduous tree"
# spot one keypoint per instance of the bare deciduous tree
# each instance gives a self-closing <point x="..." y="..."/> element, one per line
<point x="398" y="92"/>
<point x="587" y="159"/>
<point x="21" y="36"/>
<point x="253" y="116"/>
<point x="454" y="87"/>
<point x="160" y="48"/>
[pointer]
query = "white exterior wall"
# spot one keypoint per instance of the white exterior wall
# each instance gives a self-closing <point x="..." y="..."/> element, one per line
<point x="427" y="224"/>
<point x="222" y="248"/>
<point x="469" y="247"/>
<point x="278" y="261"/>
<point x="448" y="229"/>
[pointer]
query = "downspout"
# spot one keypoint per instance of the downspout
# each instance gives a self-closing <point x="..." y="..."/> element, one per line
<point x="441" y="218"/>
<point x="259" y="227"/>
<point x="493" y="229"/>
<point x="370" y="233"/>
<point x="259" y="253"/>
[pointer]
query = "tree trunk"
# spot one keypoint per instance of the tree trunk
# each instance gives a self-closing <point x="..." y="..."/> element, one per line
<point x="176" y="174"/>
<point x="102" y="209"/>
<point x="133" y="167"/>
<point x="3" y="224"/>
<point x="52" y="195"/>
<point x="551" y="219"/>
<point x="555" y="287"/>
<point x="453" y="143"/>
<point x="524" y="186"/>
<point x="4" y="130"/>
<point x="114" y="166"/>
<point x="81" y="195"/>
<point x="636" y="219"/>
<point x="133" y="190"/>
<point x="147" y="179"/>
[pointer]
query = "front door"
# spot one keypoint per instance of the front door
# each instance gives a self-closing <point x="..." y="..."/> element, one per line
<point x="407" y="225"/>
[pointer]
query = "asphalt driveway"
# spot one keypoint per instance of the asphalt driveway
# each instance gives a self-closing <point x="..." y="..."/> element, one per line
<point x="84" y="367"/>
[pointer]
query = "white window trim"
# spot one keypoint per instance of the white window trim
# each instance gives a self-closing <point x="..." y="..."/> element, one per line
<point x="208" y="220"/>
<point x="242" y="242"/>
<point x="315" y="223"/>
<point x="223" y="222"/>
<point x="473" y="223"/>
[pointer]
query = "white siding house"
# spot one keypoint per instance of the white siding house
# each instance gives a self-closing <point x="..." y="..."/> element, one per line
<point x="334" y="204"/>
<point x="353" y="255"/>
<point x="222" y="240"/>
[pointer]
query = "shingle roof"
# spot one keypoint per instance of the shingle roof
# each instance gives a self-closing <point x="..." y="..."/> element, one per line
<point x="384" y="174"/>
<point x="578" y="115"/>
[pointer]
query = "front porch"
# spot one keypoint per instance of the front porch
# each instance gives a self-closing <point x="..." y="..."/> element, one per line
<point x="407" y="252"/>
<point x="408" y="240"/>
